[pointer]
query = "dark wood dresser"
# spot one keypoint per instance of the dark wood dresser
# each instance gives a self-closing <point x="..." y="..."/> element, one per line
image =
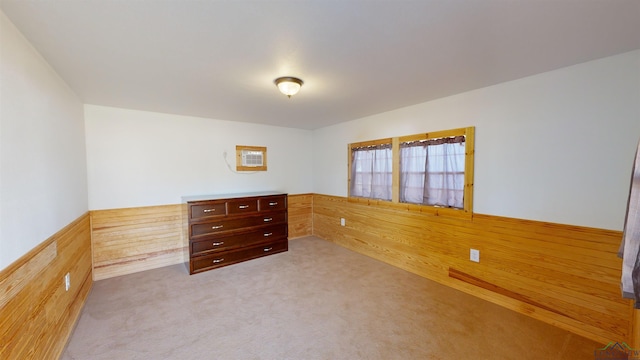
<point x="228" y="229"/>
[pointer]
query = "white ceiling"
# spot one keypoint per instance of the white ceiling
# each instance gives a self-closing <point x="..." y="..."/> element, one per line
<point x="218" y="59"/>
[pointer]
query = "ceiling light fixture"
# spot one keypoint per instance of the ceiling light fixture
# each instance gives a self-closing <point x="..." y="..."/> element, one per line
<point x="288" y="85"/>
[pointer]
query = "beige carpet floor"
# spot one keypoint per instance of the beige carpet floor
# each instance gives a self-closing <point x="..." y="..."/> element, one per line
<point x="316" y="301"/>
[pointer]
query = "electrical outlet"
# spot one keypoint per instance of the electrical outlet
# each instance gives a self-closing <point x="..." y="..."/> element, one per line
<point x="67" y="282"/>
<point x="342" y="222"/>
<point x="474" y="255"/>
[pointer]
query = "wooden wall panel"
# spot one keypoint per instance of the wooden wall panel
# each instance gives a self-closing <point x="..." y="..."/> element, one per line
<point x="130" y="240"/>
<point x="37" y="314"/>
<point x="564" y="275"/>
<point x="300" y="214"/>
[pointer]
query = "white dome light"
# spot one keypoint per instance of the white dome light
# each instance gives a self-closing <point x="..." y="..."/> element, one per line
<point x="288" y="85"/>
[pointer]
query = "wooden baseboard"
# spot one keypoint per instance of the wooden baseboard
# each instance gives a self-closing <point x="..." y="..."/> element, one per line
<point x="564" y="275"/>
<point x="37" y="314"/>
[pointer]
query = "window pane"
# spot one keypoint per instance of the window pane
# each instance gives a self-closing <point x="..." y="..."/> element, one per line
<point x="371" y="173"/>
<point x="444" y="185"/>
<point x="412" y="163"/>
<point x="432" y="174"/>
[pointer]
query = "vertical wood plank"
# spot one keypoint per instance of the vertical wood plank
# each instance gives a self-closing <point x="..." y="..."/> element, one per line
<point x="395" y="180"/>
<point x="468" y="167"/>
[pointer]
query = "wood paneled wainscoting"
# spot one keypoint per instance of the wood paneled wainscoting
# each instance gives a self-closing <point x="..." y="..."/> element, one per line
<point x="130" y="240"/>
<point x="564" y="275"/>
<point x="37" y="314"/>
<point x="300" y="215"/>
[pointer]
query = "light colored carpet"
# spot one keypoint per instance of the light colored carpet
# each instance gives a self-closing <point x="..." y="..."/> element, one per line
<point x="316" y="301"/>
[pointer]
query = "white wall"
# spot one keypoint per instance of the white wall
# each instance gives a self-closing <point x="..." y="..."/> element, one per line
<point x="43" y="183"/>
<point x="554" y="147"/>
<point x="138" y="158"/>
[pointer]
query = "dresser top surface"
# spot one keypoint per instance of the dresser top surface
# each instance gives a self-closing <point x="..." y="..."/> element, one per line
<point x="186" y="199"/>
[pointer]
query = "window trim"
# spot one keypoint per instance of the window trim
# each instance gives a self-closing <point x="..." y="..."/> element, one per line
<point x="465" y="212"/>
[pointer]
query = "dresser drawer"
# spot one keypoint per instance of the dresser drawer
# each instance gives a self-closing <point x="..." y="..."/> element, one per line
<point x="220" y="243"/>
<point x="208" y="209"/>
<point x="272" y="218"/>
<point x="273" y="203"/>
<point x="229" y="224"/>
<point x="243" y="206"/>
<point x="207" y="262"/>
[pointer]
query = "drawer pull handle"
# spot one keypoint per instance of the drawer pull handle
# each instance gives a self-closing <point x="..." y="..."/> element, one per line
<point x="268" y="219"/>
<point x="216" y="261"/>
<point x="273" y="203"/>
<point x="218" y="243"/>
<point x="208" y="210"/>
<point x="267" y="249"/>
<point x="216" y="227"/>
<point x="243" y="206"/>
<point x="267" y="234"/>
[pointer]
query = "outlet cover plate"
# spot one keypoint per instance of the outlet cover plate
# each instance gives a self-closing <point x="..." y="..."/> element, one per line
<point x="474" y="255"/>
<point x="67" y="282"/>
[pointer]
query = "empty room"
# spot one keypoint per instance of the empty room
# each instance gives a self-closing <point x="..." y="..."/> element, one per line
<point x="352" y="179"/>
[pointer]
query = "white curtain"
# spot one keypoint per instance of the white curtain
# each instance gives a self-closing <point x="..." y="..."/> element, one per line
<point x="412" y="174"/>
<point x="371" y="172"/>
<point x="630" y="247"/>
<point x="432" y="174"/>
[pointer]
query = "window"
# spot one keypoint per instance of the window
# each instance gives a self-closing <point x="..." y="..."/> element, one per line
<point x="431" y="172"/>
<point x="371" y="170"/>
